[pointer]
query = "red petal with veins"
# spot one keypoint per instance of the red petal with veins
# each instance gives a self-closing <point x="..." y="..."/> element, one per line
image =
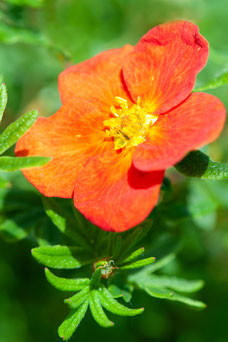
<point x="98" y="79"/>
<point x="113" y="194"/>
<point x="196" y="122"/>
<point x="163" y="66"/>
<point x="69" y="137"/>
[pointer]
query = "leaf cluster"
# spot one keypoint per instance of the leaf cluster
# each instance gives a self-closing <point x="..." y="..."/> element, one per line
<point x="23" y="206"/>
<point x="101" y="273"/>
<point x="10" y="136"/>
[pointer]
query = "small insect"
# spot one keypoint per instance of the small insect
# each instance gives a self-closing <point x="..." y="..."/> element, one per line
<point x="107" y="267"/>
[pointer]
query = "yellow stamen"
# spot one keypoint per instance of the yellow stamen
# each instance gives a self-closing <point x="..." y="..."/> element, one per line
<point x="129" y="126"/>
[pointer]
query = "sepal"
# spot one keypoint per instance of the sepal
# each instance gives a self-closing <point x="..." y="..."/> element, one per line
<point x="198" y="164"/>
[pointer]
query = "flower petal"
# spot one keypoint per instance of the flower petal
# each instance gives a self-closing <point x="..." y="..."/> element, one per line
<point x="99" y="78"/>
<point x="196" y="122"/>
<point x="113" y="194"/>
<point x="70" y="137"/>
<point x="163" y="66"/>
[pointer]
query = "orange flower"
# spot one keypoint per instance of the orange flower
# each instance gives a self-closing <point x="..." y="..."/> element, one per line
<point x="127" y="115"/>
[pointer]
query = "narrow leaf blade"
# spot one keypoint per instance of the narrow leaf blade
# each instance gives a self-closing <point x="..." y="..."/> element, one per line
<point x="133" y="255"/>
<point x="68" y="327"/>
<point x="164" y="293"/>
<point x="75" y="301"/>
<point x="63" y="221"/>
<point x="10" y="164"/>
<point x="117" y="247"/>
<point x="3" y="100"/>
<point x="134" y="237"/>
<point x="188" y="301"/>
<point x="158" y="292"/>
<point x="177" y="284"/>
<point x="14" y="131"/>
<point x="110" y="304"/>
<point x="11" y="34"/>
<point x="19" y="225"/>
<point x="65" y="284"/>
<point x="151" y="268"/>
<point x="60" y="257"/>
<point x="138" y="263"/>
<point x="97" y="310"/>
<point x="95" y="281"/>
<point x="216" y="83"/>
<point x="124" y="292"/>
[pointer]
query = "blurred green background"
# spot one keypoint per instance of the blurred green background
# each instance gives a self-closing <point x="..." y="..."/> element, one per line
<point x="38" y="39"/>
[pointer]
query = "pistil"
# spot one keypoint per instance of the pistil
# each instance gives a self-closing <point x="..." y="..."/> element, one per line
<point x="129" y="125"/>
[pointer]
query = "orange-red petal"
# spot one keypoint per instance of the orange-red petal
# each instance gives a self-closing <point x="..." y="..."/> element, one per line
<point x="98" y="79"/>
<point x="196" y="122"/>
<point x="163" y="66"/>
<point x="69" y="137"/>
<point x="113" y="194"/>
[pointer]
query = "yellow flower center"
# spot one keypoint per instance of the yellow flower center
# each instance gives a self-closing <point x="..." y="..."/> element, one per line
<point x="129" y="126"/>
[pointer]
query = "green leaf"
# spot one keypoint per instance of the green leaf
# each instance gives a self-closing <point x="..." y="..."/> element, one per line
<point x="158" y="292"/>
<point x="32" y="3"/>
<point x="164" y="293"/>
<point x="134" y="237"/>
<point x="160" y="263"/>
<point x="110" y="242"/>
<point x="117" y="246"/>
<point x="198" y="164"/>
<point x="12" y="35"/>
<point x="3" y="100"/>
<point x="163" y="286"/>
<point x="151" y="268"/>
<point x="65" y="284"/>
<point x="97" y="310"/>
<point x="201" y="204"/>
<point x="216" y="83"/>
<point x="189" y="301"/>
<point x="146" y="271"/>
<point x="12" y="232"/>
<point x="19" y="225"/>
<point x="138" y="263"/>
<point x="181" y="285"/>
<point x="110" y="304"/>
<point x="9" y="164"/>
<point x="61" y="256"/>
<point x="68" y="327"/>
<point x="75" y="301"/>
<point x="133" y="255"/>
<point x="95" y="281"/>
<point x="14" y="131"/>
<point x="64" y="221"/>
<point x="124" y="292"/>
<point x="80" y="219"/>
